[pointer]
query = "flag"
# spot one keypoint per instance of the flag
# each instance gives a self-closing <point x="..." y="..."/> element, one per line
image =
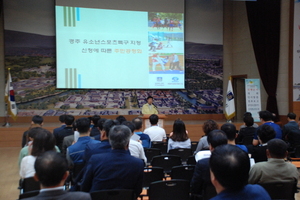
<point x="10" y="98"/>
<point x="230" y="108"/>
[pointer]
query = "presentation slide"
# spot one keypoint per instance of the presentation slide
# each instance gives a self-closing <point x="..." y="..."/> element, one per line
<point x="119" y="49"/>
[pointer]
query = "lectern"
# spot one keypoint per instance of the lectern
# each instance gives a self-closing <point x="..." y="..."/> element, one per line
<point x="146" y="122"/>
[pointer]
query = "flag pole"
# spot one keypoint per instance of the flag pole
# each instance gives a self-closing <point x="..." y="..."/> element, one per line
<point x="7" y="124"/>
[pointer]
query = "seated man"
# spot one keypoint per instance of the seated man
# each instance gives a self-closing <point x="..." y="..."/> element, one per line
<point x="231" y="133"/>
<point x="116" y="169"/>
<point x="63" y="124"/>
<point x="95" y="131"/>
<point x="291" y="132"/>
<point x="68" y="130"/>
<point x="201" y="177"/>
<point x="138" y="123"/>
<point x="229" y="172"/>
<point x="155" y="132"/>
<point x="265" y="133"/>
<point x="275" y="169"/>
<point x="51" y="171"/>
<point x="36" y="121"/>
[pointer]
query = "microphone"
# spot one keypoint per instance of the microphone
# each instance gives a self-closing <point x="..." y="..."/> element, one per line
<point x="154" y="105"/>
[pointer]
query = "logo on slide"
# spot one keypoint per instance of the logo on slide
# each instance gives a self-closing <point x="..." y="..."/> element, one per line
<point x="159" y="79"/>
<point x="175" y="79"/>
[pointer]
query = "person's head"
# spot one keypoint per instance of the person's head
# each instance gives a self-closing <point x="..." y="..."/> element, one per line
<point x="108" y="124"/>
<point x="249" y="121"/>
<point x="153" y="119"/>
<point x="247" y="114"/>
<point x="100" y="123"/>
<point x="209" y="126"/>
<point x="130" y="125"/>
<point x="51" y="169"/>
<point x="121" y="119"/>
<point x="277" y="149"/>
<point x="291" y="116"/>
<point x="43" y="141"/>
<point x="62" y="118"/>
<point x="69" y="119"/>
<point x="95" y="120"/>
<point x="119" y="137"/>
<point x="265" y="133"/>
<point x="32" y="133"/>
<point x="83" y="125"/>
<point x="179" y="131"/>
<point x="138" y="123"/>
<point x="230" y="131"/>
<point x="265" y="115"/>
<point x="36" y="119"/>
<point x="150" y="100"/>
<point x="216" y="138"/>
<point x="229" y="167"/>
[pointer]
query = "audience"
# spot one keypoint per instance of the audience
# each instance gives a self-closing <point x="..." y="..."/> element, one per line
<point x="75" y="152"/>
<point x="275" y="169"/>
<point x="63" y="124"/>
<point x="207" y="127"/>
<point x="248" y="114"/>
<point x="95" y="130"/>
<point x="201" y="177"/>
<point x="229" y="172"/>
<point x="138" y="123"/>
<point x="291" y="132"/>
<point x="66" y="131"/>
<point x="121" y="119"/>
<point x="246" y="134"/>
<point x="231" y="133"/>
<point x="43" y="141"/>
<point x="135" y="147"/>
<point x="36" y="121"/>
<point x="264" y="133"/>
<point x="71" y="139"/>
<point x="51" y="171"/>
<point x="179" y="137"/>
<point x="155" y="132"/>
<point x="116" y="169"/>
<point x="266" y="118"/>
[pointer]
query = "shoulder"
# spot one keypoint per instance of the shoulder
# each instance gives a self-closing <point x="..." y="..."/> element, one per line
<point x="78" y="195"/>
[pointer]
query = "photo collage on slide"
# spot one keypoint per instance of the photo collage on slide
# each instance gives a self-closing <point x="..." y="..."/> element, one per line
<point x="165" y="43"/>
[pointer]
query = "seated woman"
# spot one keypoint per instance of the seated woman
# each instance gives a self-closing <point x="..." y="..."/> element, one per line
<point x="207" y="127"/>
<point x="179" y="138"/>
<point x="44" y="141"/>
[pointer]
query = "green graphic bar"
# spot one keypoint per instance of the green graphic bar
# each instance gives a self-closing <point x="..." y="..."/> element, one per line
<point x="75" y="77"/>
<point x="73" y="16"/>
<point x="71" y="78"/>
<point x="66" y="78"/>
<point x="69" y="16"/>
<point x="65" y="16"/>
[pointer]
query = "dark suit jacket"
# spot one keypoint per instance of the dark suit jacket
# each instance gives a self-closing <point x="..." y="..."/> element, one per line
<point x="59" y="136"/>
<point x="96" y="148"/>
<point x="201" y="176"/>
<point x="258" y="153"/>
<point x="116" y="169"/>
<point x="60" y="195"/>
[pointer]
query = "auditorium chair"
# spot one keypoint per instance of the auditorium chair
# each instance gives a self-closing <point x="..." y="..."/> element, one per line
<point x="284" y="190"/>
<point x="169" y="190"/>
<point x="163" y="146"/>
<point x="166" y="162"/>
<point x="295" y="154"/>
<point x="150" y="153"/>
<point x="194" y="145"/>
<point x="28" y="184"/>
<point x="184" y="153"/>
<point x="151" y="174"/>
<point x="183" y="172"/>
<point x="114" y="194"/>
<point x="29" y="194"/>
<point x="191" y="160"/>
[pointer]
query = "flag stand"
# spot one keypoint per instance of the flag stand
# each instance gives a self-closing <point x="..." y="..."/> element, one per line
<point x="7" y="124"/>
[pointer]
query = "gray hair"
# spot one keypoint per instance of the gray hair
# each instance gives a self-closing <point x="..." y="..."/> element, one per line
<point x="119" y="136"/>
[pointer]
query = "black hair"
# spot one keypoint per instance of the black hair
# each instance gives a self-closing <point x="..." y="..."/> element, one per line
<point x="69" y="119"/>
<point x="266" y="133"/>
<point x="62" y="118"/>
<point x="95" y="120"/>
<point x="121" y="119"/>
<point x="230" y="130"/>
<point x="179" y="131"/>
<point x="265" y="115"/>
<point x="216" y="138"/>
<point x="130" y="125"/>
<point x="291" y="115"/>
<point x="153" y="119"/>
<point x="43" y="141"/>
<point x="149" y="97"/>
<point x="230" y="166"/>
<point x="50" y="168"/>
<point x="37" y="119"/>
<point x="138" y="123"/>
<point x="277" y="148"/>
<point x="108" y="124"/>
<point x="32" y="132"/>
<point x="83" y="125"/>
<point x="247" y="114"/>
<point x="249" y="121"/>
<point x="100" y="123"/>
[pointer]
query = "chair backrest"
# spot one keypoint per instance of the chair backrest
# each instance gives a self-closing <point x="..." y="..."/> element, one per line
<point x="191" y="160"/>
<point x="247" y="140"/>
<point x="183" y="153"/>
<point x="209" y="191"/>
<point x="151" y="152"/>
<point x="169" y="190"/>
<point x="115" y="194"/>
<point x="152" y="174"/>
<point x="29" y="184"/>
<point x="281" y="189"/>
<point x="29" y="194"/>
<point x="183" y="172"/>
<point x="160" y="145"/>
<point x="297" y="151"/>
<point x="166" y="162"/>
<point x="76" y="170"/>
<point x="194" y="145"/>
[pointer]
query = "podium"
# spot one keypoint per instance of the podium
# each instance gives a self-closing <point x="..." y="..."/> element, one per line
<point x="146" y="122"/>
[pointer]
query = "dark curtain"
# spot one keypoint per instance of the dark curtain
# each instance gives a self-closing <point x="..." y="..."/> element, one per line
<point x="264" y="24"/>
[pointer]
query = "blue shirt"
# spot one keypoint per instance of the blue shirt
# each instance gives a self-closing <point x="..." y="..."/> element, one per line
<point x="249" y="192"/>
<point x="96" y="148"/>
<point x="276" y="128"/>
<point x="243" y="147"/>
<point x="146" y="142"/>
